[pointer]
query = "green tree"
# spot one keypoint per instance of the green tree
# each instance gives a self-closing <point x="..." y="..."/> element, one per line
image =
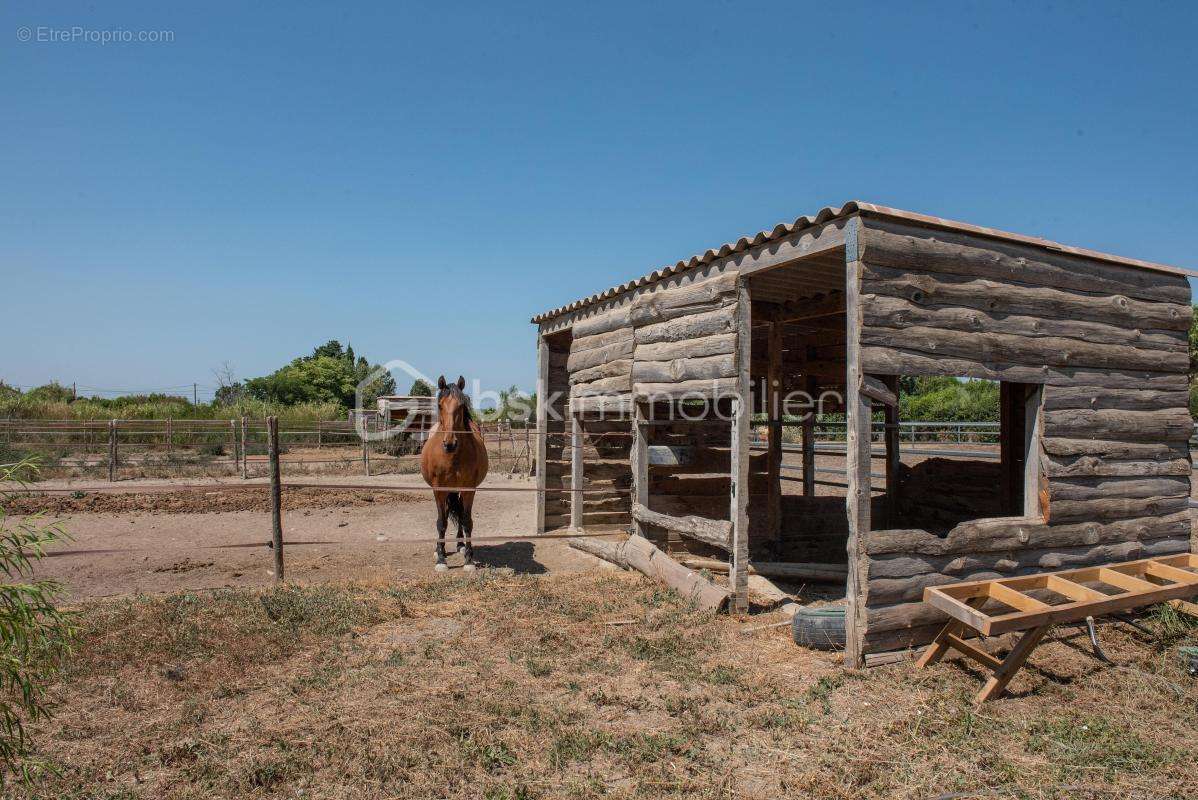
<point x="330" y="375"/>
<point x="37" y="635"/>
<point x="420" y="388"/>
<point x="52" y="392"/>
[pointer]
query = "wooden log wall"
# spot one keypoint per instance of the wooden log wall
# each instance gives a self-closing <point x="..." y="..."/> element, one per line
<point x="607" y="476"/>
<point x="1107" y="342"/>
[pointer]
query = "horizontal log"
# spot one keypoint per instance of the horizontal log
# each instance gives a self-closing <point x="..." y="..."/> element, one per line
<point x="642" y="555"/>
<point x="1057" y="398"/>
<point x="619" y="384"/>
<point x="594" y="357"/>
<point x="719" y="344"/>
<point x="610" y="369"/>
<point x="1063" y="511"/>
<point x="581" y="344"/>
<point x="830" y="573"/>
<point x="890" y="591"/>
<point x="669" y="302"/>
<point x="720" y="320"/>
<point x="885" y="641"/>
<point x="684" y="369"/>
<point x="877" y="391"/>
<point x="1012" y="562"/>
<point x="907" y="247"/>
<point x="1114" y="449"/>
<point x="604" y="321"/>
<point x="1098" y="488"/>
<point x="1016" y="533"/>
<point x="710" y="531"/>
<point x="988" y="347"/>
<point x="617" y="404"/>
<point x="682" y="390"/>
<point x="1174" y="424"/>
<point x="1096" y="466"/>
<point x="897" y="360"/>
<point x="915" y="309"/>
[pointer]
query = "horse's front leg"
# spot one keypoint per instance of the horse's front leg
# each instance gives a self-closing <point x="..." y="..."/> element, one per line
<point x="466" y="527"/>
<point x="442" y="499"/>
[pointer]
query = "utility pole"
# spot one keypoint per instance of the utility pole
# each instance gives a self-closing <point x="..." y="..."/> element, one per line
<point x="195" y="395"/>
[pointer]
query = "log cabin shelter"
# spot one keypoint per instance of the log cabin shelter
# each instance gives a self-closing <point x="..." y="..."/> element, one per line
<point x="666" y="405"/>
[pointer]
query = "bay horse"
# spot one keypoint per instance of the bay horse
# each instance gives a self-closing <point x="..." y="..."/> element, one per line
<point x="454" y="457"/>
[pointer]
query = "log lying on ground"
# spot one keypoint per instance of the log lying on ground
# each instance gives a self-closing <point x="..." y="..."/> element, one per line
<point x="642" y="555"/>
<point x="715" y="532"/>
<point x="831" y="573"/>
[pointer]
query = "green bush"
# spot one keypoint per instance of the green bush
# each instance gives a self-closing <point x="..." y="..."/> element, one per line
<point x="37" y="636"/>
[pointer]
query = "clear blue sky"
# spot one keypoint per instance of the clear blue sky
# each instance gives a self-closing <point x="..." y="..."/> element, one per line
<point x="419" y="179"/>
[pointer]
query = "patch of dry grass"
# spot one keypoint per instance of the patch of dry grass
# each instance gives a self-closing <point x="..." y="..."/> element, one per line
<point x="513" y="687"/>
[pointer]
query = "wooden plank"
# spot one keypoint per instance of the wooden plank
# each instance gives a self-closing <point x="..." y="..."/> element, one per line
<point x="893" y="455"/>
<point x="1016" y="600"/>
<point x="997" y="682"/>
<point x="858" y="451"/>
<point x="808" y="429"/>
<point x="1033" y="428"/>
<point x="576" y="472"/>
<point x="742" y="414"/>
<point x="1074" y="591"/>
<point x="876" y="390"/>
<point x="639" y="457"/>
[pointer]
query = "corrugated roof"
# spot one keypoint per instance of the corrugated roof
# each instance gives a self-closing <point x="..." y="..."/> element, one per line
<point x="825" y="214"/>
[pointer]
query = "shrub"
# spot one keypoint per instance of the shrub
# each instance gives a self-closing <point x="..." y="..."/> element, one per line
<point x="37" y="635"/>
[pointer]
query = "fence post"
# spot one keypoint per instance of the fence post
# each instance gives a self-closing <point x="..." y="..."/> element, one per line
<point x="245" y="473"/>
<point x="170" y="437"/>
<point x="233" y="443"/>
<point x="319" y="437"/>
<point x="276" y="496"/>
<point x="112" y="450"/>
<point x="366" y="445"/>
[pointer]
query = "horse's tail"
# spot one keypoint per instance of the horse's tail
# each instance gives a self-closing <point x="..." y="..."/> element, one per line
<point x="454" y="504"/>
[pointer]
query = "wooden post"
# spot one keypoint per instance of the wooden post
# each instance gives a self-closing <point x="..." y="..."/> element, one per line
<point x="742" y="411"/>
<point x="639" y="458"/>
<point x="276" y="495"/>
<point x="773" y="391"/>
<point x="576" y="477"/>
<point x="1032" y="426"/>
<point x="245" y="467"/>
<point x="809" y="441"/>
<point x="112" y="454"/>
<point x="170" y="437"/>
<point x="233" y="443"/>
<point x="892" y="453"/>
<point x="366" y="445"/>
<point x="319" y="436"/>
<point x="542" y="424"/>
<point x="858" y="415"/>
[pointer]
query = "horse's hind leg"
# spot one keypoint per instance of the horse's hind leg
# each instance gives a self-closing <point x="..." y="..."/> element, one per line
<point x="442" y="525"/>
<point x="466" y="526"/>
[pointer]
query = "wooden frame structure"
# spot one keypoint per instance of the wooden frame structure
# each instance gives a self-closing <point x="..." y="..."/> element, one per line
<point x="1090" y="350"/>
<point x="1131" y="584"/>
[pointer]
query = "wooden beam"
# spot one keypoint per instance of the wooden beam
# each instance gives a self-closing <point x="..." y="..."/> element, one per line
<point x="576" y="476"/>
<point x="826" y="305"/>
<point x="876" y="390"/>
<point x="858" y="423"/>
<point x="774" y="415"/>
<point x="808" y="423"/>
<point x="639" y="458"/>
<point x="738" y="576"/>
<point x="542" y="421"/>
<point x="893" y="456"/>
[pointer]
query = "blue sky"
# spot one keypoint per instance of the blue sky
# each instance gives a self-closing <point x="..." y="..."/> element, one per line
<point x="420" y="179"/>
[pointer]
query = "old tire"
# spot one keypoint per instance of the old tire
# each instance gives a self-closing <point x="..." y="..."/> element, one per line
<point x="819" y="628"/>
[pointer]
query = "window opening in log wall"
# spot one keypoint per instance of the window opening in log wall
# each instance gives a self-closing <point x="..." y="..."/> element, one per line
<point x="956" y="472"/>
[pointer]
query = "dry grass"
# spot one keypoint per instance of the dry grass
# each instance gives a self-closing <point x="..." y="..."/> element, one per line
<point x="513" y="687"/>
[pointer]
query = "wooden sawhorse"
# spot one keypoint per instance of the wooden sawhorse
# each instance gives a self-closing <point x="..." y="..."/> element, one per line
<point x="1128" y="585"/>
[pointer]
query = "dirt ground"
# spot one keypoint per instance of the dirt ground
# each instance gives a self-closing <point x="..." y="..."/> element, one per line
<point x="154" y="543"/>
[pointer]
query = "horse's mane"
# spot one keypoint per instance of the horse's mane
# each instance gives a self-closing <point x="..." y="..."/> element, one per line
<point x="452" y="390"/>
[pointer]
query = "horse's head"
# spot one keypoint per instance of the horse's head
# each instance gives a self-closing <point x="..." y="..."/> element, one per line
<point x="454" y="412"/>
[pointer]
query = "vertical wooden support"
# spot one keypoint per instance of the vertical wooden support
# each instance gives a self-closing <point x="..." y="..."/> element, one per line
<point x="245" y="467"/>
<point x="639" y="458"/>
<point x="319" y="436"/>
<point x="576" y="496"/>
<point x="366" y="445"/>
<point x="170" y="437"/>
<point x="276" y="495"/>
<point x="893" y="457"/>
<point x="773" y="390"/>
<point x="742" y="412"/>
<point x="1032" y="424"/>
<point x="112" y="450"/>
<point x="858" y="424"/>
<point x="233" y="444"/>
<point x="809" y="441"/>
<point x="542" y="422"/>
